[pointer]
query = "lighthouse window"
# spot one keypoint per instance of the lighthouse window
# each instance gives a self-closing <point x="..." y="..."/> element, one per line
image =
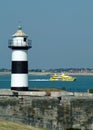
<point x="24" y="39"/>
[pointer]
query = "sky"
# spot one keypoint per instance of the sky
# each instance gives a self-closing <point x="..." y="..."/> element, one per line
<point x="61" y="32"/>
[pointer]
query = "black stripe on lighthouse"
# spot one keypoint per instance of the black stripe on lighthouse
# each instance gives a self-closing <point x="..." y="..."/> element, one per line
<point x="20" y="67"/>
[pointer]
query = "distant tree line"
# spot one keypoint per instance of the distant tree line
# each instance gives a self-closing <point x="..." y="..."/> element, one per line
<point x="63" y="70"/>
<point x="4" y="70"/>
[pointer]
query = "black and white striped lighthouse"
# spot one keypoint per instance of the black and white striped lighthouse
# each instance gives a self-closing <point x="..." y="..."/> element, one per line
<point x="19" y="67"/>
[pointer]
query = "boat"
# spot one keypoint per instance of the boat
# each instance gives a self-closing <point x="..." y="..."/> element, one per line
<point x="62" y="77"/>
<point x="55" y="77"/>
<point x="65" y="77"/>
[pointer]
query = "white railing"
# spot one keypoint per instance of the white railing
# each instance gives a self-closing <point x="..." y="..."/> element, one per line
<point x="19" y="43"/>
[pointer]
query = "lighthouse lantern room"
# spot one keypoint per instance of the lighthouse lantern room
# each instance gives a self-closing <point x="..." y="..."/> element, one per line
<point x="19" y="66"/>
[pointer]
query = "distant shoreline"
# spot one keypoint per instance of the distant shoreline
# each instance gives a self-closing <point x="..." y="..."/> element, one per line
<point x="51" y="73"/>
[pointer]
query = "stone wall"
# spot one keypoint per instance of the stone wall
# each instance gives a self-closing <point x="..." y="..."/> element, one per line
<point x="47" y="112"/>
<point x="82" y="113"/>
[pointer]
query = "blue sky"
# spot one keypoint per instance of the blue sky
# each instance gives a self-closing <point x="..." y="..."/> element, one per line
<point x="61" y="32"/>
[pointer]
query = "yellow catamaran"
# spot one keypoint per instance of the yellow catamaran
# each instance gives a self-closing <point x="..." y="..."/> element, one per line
<point x="62" y="77"/>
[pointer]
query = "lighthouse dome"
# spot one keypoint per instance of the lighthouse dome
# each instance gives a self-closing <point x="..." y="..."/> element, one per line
<point x="20" y="33"/>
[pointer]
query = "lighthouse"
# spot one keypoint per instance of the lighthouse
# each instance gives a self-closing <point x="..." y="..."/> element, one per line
<point x="19" y="44"/>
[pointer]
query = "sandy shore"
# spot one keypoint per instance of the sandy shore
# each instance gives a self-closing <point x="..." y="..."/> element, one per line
<point x="5" y="73"/>
<point x="51" y="73"/>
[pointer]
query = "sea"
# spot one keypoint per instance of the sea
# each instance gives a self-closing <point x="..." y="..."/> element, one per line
<point x="82" y="84"/>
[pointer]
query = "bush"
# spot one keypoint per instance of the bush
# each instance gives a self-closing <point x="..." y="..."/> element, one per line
<point x="90" y="90"/>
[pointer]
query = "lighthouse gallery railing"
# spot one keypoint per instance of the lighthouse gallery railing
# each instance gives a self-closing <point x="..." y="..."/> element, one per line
<point x="18" y="43"/>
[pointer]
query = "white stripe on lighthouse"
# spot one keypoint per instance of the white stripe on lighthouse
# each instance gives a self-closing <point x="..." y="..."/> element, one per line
<point x="19" y="80"/>
<point x="19" y="55"/>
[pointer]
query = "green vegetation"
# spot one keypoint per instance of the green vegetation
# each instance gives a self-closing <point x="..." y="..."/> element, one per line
<point x="73" y="129"/>
<point x="91" y="90"/>
<point x="8" y="125"/>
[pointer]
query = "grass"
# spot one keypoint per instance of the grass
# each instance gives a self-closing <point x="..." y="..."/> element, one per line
<point x="8" y="125"/>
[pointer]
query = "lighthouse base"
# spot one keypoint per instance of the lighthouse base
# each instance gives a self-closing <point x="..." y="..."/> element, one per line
<point x="19" y="88"/>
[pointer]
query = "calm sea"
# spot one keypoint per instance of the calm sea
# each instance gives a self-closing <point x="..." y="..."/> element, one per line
<point x="83" y="83"/>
